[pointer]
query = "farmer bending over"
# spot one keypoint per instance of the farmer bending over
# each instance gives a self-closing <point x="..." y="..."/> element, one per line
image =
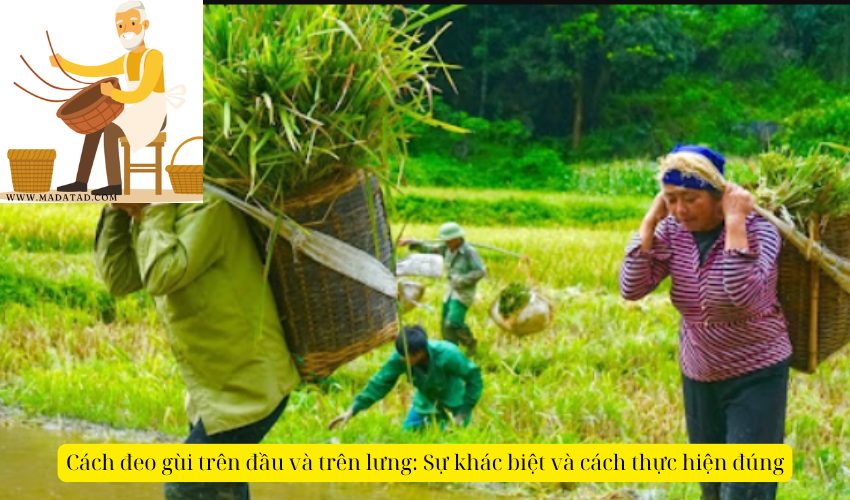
<point x="447" y="382"/>
<point x="465" y="270"/>
<point x="199" y="263"/>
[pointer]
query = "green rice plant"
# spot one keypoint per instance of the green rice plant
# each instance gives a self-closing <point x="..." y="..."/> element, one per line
<point x="808" y="187"/>
<point x="43" y="227"/>
<point x="294" y="94"/>
<point x="513" y="298"/>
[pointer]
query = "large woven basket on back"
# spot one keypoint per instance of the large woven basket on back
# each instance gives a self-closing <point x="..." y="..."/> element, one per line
<point x="328" y="318"/>
<point x="32" y="169"/>
<point x="89" y="110"/>
<point x="817" y="309"/>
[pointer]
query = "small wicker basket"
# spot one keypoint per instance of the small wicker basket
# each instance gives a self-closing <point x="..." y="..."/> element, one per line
<point x="186" y="179"/>
<point x="32" y="169"/>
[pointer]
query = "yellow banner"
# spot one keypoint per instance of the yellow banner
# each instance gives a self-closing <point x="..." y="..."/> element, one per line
<point x="424" y="462"/>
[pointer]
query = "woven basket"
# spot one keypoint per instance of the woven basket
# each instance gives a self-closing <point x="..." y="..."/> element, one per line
<point x="89" y="110"/>
<point x="186" y="179"/>
<point x="32" y="169"/>
<point x="817" y="309"/>
<point x="535" y="317"/>
<point x="328" y="318"/>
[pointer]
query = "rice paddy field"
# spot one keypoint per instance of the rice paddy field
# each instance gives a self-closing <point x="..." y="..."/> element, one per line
<point x="606" y="371"/>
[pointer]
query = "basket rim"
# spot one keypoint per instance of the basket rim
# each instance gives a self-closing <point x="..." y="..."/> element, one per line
<point x="191" y="169"/>
<point x="51" y="155"/>
<point x="90" y="107"/>
<point x="326" y="188"/>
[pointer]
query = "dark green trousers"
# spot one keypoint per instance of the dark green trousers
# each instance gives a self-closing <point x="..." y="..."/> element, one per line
<point x="454" y="324"/>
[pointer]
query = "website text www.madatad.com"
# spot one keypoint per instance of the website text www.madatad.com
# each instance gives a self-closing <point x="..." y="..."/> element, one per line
<point x="60" y="197"/>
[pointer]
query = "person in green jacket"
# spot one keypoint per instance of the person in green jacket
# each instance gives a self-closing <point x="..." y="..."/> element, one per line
<point x="200" y="265"/>
<point x="465" y="270"/>
<point x="448" y="384"/>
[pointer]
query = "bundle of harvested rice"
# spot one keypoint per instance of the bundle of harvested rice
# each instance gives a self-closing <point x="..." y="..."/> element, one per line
<point x="514" y="297"/>
<point x="295" y="93"/>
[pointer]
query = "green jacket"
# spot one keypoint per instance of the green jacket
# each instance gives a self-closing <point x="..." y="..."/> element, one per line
<point x="464" y="269"/>
<point x="452" y="381"/>
<point x="200" y="265"/>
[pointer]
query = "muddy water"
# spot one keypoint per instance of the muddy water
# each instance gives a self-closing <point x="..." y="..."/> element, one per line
<point x="28" y="472"/>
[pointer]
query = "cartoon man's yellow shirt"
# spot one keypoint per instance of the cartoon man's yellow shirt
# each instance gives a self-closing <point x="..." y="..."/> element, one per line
<point x="153" y="81"/>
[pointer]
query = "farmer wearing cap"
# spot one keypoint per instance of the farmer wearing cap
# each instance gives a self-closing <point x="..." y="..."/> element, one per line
<point x="734" y="348"/>
<point x="465" y="270"/>
<point x="200" y="265"/>
<point x="448" y="384"/>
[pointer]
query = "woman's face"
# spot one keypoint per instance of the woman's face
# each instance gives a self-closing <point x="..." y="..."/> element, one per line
<point x="695" y="209"/>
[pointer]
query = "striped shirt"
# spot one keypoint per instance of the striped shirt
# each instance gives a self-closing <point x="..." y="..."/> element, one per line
<point x="732" y="322"/>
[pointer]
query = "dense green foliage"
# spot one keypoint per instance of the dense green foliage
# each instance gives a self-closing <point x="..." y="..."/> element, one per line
<point x="590" y="82"/>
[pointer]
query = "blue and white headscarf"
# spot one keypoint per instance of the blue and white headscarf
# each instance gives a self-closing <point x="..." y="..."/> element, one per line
<point x="675" y="177"/>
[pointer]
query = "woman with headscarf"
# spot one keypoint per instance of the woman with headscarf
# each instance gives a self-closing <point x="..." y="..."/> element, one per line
<point x="734" y="350"/>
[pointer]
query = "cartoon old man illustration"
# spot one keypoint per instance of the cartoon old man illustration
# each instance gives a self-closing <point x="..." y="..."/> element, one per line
<point x="145" y="90"/>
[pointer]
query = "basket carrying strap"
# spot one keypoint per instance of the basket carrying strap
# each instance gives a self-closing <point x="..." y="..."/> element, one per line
<point x="814" y="231"/>
<point x="327" y="250"/>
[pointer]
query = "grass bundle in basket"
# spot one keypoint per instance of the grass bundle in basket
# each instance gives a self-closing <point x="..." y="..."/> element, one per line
<point x="514" y="297"/>
<point x="803" y="188"/>
<point x="296" y="93"/>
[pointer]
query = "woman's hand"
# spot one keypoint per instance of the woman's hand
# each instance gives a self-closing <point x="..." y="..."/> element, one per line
<point x="56" y="61"/>
<point x="737" y="202"/>
<point x="657" y="213"/>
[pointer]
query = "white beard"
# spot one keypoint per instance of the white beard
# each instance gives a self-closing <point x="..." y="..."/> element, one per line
<point x="134" y="40"/>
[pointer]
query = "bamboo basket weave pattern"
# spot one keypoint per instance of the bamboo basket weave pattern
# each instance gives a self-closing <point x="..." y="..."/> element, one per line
<point x="89" y="110"/>
<point x="32" y="169"/>
<point x="832" y="303"/>
<point x="186" y="179"/>
<point x="328" y="318"/>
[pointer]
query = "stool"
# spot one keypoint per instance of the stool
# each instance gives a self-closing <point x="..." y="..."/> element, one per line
<point x="130" y="168"/>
